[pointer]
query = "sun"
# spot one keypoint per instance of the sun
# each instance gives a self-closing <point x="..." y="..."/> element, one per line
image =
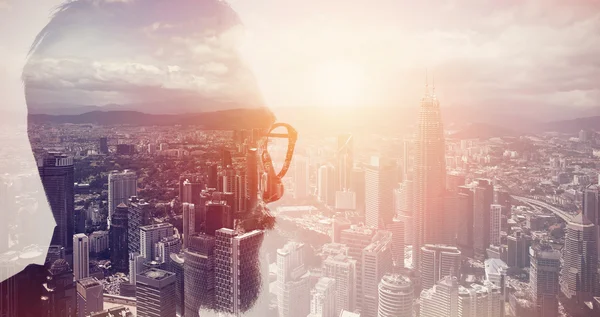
<point x="338" y="83"/>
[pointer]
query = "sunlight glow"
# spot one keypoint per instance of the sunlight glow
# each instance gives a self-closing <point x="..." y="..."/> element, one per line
<point x="338" y="83"/>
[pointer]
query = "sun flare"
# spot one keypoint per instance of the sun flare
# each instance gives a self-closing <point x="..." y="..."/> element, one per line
<point x="338" y="84"/>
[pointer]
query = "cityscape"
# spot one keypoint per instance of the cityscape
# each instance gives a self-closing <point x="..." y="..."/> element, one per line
<point x="151" y="179"/>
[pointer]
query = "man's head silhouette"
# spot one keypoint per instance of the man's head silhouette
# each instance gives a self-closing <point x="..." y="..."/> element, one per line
<point x="155" y="63"/>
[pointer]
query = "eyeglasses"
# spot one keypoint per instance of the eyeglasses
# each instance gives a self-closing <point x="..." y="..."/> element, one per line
<point x="274" y="186"/>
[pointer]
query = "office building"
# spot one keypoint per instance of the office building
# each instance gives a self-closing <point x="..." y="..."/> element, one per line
<point x="407" y="172"/>
<point x="119" y="238"/>
<point x="189" y="215"/>
<point x="495" y="272"/>
<point x="59" y="292"/>
<point x="544" y="279"/>
<point x="322" y="302"/>
<point x="480" y="300"/>
<point x="495" y="224"/>
<point x="376" y="262"/>
<point x="345" y="161"/>
<point x="441" y="299"/>
<point x="191" y="187"/>
<point x="166" y="246"/>
<point x="357" y="238"/>
<point x="342" y="269"/>
<point x="237" y="270"/>
<point x="218" y="215"/>
<point x="57" y="175"/>
<point x="357" y="185"/>
<point x="397" y="228"/>
<point x="345" y="200"/>
<point x="437" y="262"/>
<point x="580" y="259"/>
<point x="199" y="274"/>
<point x="338" y="224"/>
<point x="81" y="254"/>
<point x="379" y="190"/>
<point x="396" y="295"/>
<point x="98" y="241"/>
<point x="90" y="296"/>
<point x="293" y="288"/>
<point x="121" y="186"/>
<point x="252" y="178"/>
<point x="150" y="235"/>
<point x="454" y="180"/>
<point x="103" y="147"/>
<point x="518" y="250"/>
<point x="301" y="183"/>
<point x="177" y="265"/>
<point x="326" y="184"/>
<point x="464" y="228"/>
<point x="429" y="174"/>
<point x="155" y="293"/>
<point x="118" y="311"/>
<point x="483" y="197"/>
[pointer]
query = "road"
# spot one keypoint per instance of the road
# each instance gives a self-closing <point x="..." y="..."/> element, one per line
<point x="561" y="213"/>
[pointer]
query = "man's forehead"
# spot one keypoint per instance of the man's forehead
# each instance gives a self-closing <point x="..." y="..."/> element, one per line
<point x="122" y="52"/>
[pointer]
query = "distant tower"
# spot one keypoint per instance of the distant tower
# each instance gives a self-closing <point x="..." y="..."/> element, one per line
<point x="495" y="224"/>
<point x="442" y="299"/>
<point x="342" y="269"/>
<point x="429" y="174"/>
<point x="345" y="161"/>
<point x="396" y="296"/>
<point x="293" y="287"/>
<point x="155" y="293"/>
<point x="379" y="193"/>
<point x="322" y="303"/>
<point x="544" y="279"/>
<point x="176" y="265"/>
<point x="103" y="145"/>
<point x="150" y="235"/>
<point x="376" y="262"/>
<point x="580" y="259"/>
<point x="118" y="239"/>
<point x="90" y="296"/>
<point x="437" y="262"/>
<point x="81" y="253"/>
<point x="483" y="198"/>
<point x="139" y="215"/>
<point x="301" y="184"/>
<point x="252" y="177"/>
<point x="57" y="175"/>
<point x="199" y="274"/>
<point x="326" y="184"/>
<point x="357" y="185"/>
<point x="357" y="238"/>
<point x="121" y="186"/>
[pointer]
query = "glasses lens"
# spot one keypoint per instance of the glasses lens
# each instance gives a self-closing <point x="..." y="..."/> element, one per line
<point x="281" y="141"/>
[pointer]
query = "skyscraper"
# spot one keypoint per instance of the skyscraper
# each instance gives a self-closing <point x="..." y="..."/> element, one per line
<point x="237" y="267"/>
<point x="301" y="184"/>
<point x="326" y="184"/>
<point x="480" y="300"/>
<point x="59" y="291"/>
<point x="429" y="174"/>
<point x="293" y="287"/>
<point x="199" y="274"/>
<point x="252" y="177"/>
<point x="139" y="215"/>
<point x="342" y="269"/>
<point x="544" y="279"/>
<point x="441" y="299"/>
<point x="189" y="211"/>
<point x="150" y="235"/>
<point x="483" y="197"/>
<point x="322" y="302"/>
<point x="406" y="159"/>
<point x="155" y="293"/>
<point x="518" y="250"/>
<point x="90" y="296"/>
<point x="121" y="186"/>
<point x="176" y="265"/>
<point x="190" y="190"/>
<point x="464" y="228"/>
<point x="357" y="185"/>
<point x="395" y="296"/>
<point x="345" y="161"/>
<point x="397" y="228"/>
<point x="379" y="193"/>
<point x="437" y="262"/>
<point x="81" y="254"/>
<point x="166" y="246"/>
<point x="495" y="224"/>
<point x="357" y="238"/>
<point x="118" y="239"/>
<point x="580" y="259"/>
<point x="218" y="215"/>
<point x="57" y="175"/>
<point x="103" y="145"/>
<point x="376" y="262"/>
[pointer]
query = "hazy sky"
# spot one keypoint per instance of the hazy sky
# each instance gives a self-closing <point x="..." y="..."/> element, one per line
<point x="334" y="53"/>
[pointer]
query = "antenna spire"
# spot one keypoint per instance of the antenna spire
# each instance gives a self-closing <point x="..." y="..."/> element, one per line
<point x="426" y="83"/>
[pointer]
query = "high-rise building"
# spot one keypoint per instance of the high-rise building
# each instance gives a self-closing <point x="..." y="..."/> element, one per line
<point x="407" y="146"/>
<point x="580" y="259"/>
<point x="591" y="208"/>
<point x="454" y="180"/>
<point x="357" y="238"/>
<point x="155" y="293"/>
<point x="441" y="299"/>
<point x="119" y="238"/>
<point x="437" y="262"/>
<point x="483" y="197"/>
<point x="480" y="301"/>
<point x="150" y="235"/>
<point x="345" y="200"/>
<point x="376" y="262"/>
<point x="396" y="295"/>
<point x="464" y="228"/>
<point x="57" y="175"/>
<point x="98" y="241"/>
<point x="379" y="192"/>
<point x="190" y="190"/>
<point x="103" y="147"/>
<point x="81" y="254"/>
<point x="397" y="228"/>
<point x="322" y="302"/>
<point x="345" y="161"/>
<point x="237" y="270"/>
<point x="199" y="274"/>
<point x="189" y="211"/>
<point x="357" y="185"/>
<point x="252" y="178"/>
<point x="342" y="269"/>
<point x="121" y="186"/>
<point x="166" y="246"/>
<point x="59" y="291"/>
<point x="301" y="183"/>
<point x="293" y="287"/>
<point x="338" y="224"/>
<point x="90" y="296"/>
<point x="495" y="224"/>
<point x="326" y="184"/>
<point x="518" y="250"/>
<point x="177" y="265"/>
<point x="139" y="215"/>
<point x="429" y="174"/>
<point x="544" y="279"/>
<point x="404" y="206"/>
<point x="218" y="215"/>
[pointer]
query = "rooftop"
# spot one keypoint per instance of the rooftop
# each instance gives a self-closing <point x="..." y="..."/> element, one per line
<point x="156" y="274"/>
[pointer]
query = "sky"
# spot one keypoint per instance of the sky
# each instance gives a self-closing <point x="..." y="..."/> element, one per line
<point x="335" y="53"/>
